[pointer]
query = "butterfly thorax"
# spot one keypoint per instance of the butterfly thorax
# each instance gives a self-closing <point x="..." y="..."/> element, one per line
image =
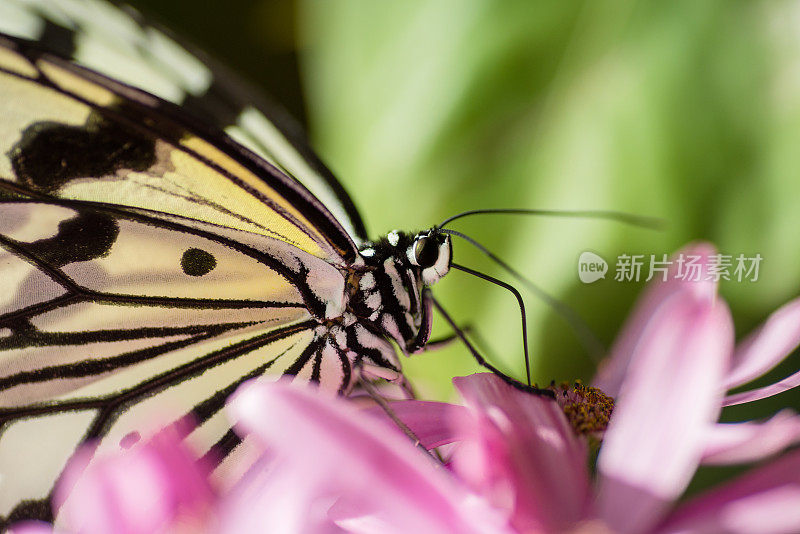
<point x="389" y="295"/>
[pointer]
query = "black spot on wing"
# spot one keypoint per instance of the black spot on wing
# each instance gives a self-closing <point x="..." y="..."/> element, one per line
<point x="85" y="237"/>
<point x="197" y="262"/>
<point x="57" y="39"/>
<point x="51" y="154"/>
<point x="29" y="509"/>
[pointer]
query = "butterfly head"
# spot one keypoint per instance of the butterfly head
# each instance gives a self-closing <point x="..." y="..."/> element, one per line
<point x="432" y="253"/>
<point x="389" y="291"/>
<point x="427" y="254"/>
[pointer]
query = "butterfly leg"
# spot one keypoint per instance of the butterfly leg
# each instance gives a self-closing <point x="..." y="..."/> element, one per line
<point x="387" y="409"/>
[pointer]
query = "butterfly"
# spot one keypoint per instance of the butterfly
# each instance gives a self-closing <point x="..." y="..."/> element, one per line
<point x="165" y="235"/>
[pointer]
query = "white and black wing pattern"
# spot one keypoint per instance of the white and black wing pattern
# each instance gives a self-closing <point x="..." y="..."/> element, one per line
<point x="148" y="265"/>
<point x="120" y="44"/>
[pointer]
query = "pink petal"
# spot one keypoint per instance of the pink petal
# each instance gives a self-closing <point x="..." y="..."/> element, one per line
<point x="730" y="443"/>
<point x="145" y="489"/>
<point x="520" y="452"/>
<point x="611" y="372"/>
<point x="791" y="381"/>
<point x="327" y="450"/>
<point x="766" y="347"/>
<point x="272" y="498"/>
<point x="428" y="420"/>
<point x="765" y="500"/>
<point x="670" y="396"/>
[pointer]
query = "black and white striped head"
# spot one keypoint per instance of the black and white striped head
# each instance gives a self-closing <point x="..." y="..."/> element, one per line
<point x="428" y="252"/>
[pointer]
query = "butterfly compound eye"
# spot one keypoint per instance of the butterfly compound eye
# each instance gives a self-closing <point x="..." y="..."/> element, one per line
<point x="426" y="251"/>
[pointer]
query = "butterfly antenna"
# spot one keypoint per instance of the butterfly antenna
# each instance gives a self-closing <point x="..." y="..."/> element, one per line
<point x="587" y="338"/>
<point x="482" y="361"/>
<point x="521" y="303"/>
<point x="618" y="216"/>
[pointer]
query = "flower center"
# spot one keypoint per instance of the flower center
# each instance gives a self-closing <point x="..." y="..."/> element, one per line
<point x="587" y="408"/>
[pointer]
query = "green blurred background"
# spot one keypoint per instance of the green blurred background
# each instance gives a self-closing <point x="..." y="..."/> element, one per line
<point x="685" y="110"/>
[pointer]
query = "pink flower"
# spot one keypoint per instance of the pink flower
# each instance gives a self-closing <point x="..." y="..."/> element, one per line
<point x="669" y="370"/>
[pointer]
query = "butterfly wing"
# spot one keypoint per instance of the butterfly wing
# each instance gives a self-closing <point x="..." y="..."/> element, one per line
<point x="123" y="46"/>
<point x="149" y="265"/>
